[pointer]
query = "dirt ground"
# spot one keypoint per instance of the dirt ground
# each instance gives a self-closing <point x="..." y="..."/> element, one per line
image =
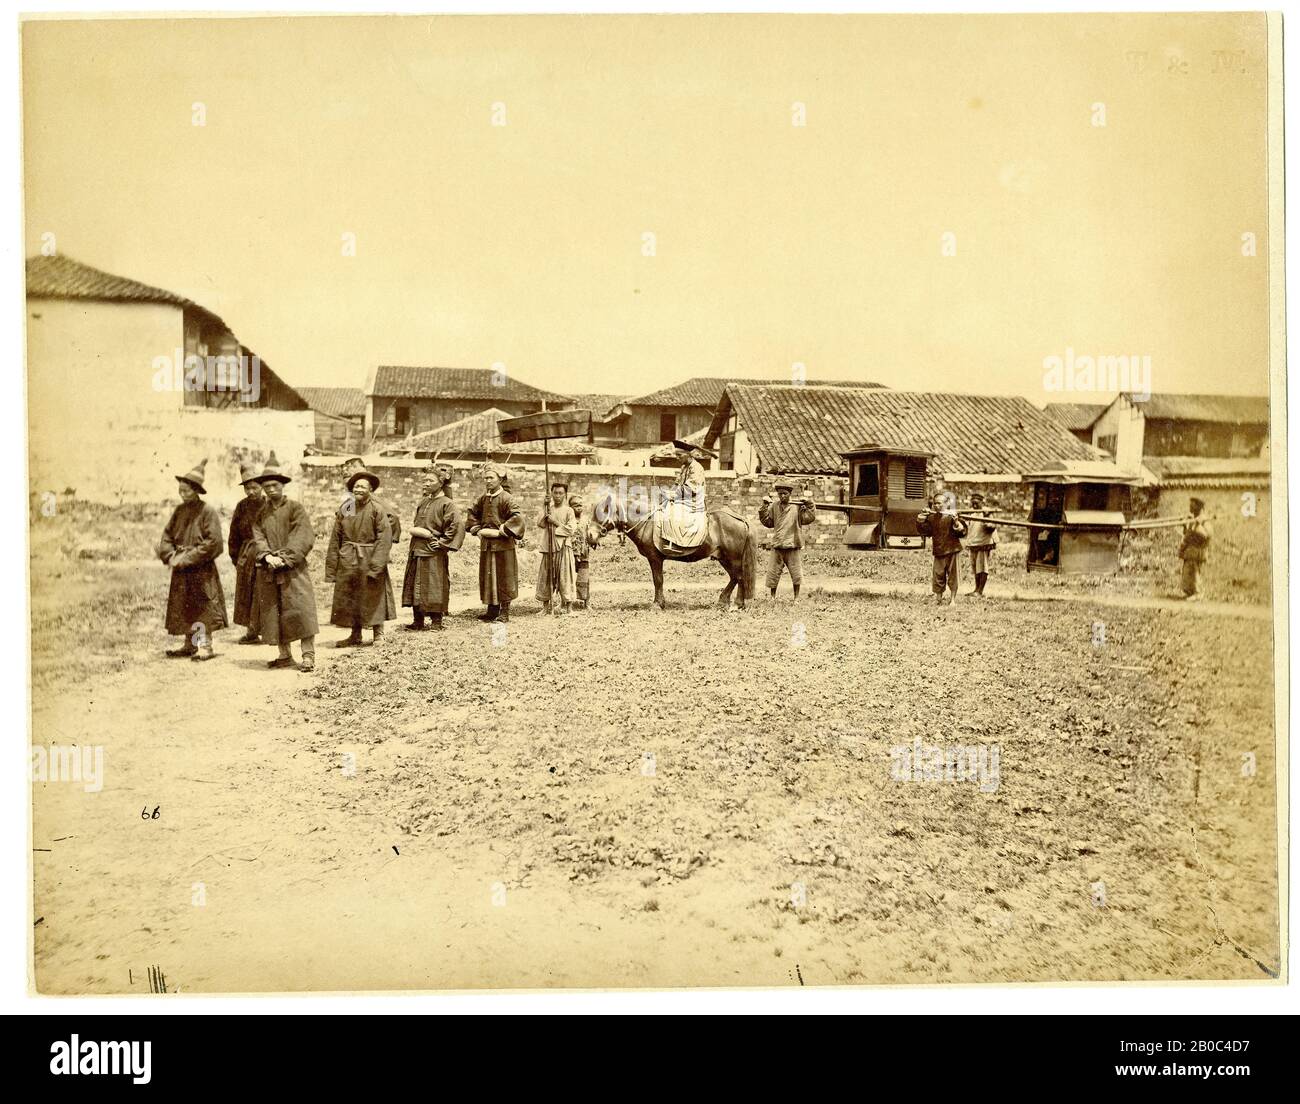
<point x="632" y="798"/>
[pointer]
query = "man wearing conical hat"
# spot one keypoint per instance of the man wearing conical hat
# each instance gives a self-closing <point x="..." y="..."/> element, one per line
<point x="498" y="523"/>
<point x="356" y="562"/>
<point x="438" y="530"/>
<point x="283" y="598"/>
<point x="196" y="604"/>
<point x="350" y="468"/>
<point x="241" y="551"/>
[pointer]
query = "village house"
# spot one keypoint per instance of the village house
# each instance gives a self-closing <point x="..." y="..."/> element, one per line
<point x="685" y="408"/>
<point x="340" y="416"/>
<point x="477" y="439"/>
<point x="975" y="440"/>
<point x="164" y="383"/>
<point x="405" y="401"/>
<point x="610" y="417"/>
<point x="1208" y="426"/>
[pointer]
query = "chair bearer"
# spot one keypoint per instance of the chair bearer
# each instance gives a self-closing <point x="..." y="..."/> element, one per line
<point x="786" y="519"/>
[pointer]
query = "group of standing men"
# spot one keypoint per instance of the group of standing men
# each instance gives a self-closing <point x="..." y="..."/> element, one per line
<point x="271" y="537"/>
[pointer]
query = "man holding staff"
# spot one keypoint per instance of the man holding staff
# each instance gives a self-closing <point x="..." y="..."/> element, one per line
<point x="556" y="572"/>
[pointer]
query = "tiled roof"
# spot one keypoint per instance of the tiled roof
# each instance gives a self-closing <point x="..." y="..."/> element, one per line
<point x="341" y="402"/>
<point x="1234" y="409"/>
<point x="1074" y="415"/>
<point x="599" y="405"/>
<point x="804" y="429"/>
<point x="61" y="277"/>
<point x="707" y="390"/>
<point x="478" y="433"/>
<point x="398" y="382"/>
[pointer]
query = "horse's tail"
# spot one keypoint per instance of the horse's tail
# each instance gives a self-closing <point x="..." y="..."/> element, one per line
<point x="748" y="563"/>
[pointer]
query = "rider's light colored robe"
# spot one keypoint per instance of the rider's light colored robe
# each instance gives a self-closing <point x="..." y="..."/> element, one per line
<point x="681" y="520"/>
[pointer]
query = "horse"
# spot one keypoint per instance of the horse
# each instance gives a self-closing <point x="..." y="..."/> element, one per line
<point x="729" y="540"/>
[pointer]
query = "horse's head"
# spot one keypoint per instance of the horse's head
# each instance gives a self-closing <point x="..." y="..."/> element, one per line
<point x="607" y="515"/>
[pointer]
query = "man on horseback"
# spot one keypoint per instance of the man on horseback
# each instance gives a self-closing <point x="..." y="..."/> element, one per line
<point x="680" y="522"/>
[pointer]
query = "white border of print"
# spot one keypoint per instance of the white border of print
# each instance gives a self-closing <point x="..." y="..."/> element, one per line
<point x="14" y="657"/>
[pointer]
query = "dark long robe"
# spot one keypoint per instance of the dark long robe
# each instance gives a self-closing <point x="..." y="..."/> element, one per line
<point x="241" y="554"/>
<point x="498" y="569"/>
<point x="356" y="562"/>
<point x="391" y="514"/>
<point x="426" y="587"/>
<point x="190" y="545"/>
<point x="284" y="599"/>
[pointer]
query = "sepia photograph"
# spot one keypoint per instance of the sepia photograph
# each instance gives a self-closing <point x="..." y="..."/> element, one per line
<point x="653" y="502"/>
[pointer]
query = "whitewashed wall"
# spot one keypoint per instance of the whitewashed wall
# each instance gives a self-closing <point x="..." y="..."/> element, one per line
<point x="98" y="427"/>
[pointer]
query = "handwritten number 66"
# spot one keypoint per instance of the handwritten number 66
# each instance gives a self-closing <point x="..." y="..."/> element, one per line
<point x="146" y="815"/>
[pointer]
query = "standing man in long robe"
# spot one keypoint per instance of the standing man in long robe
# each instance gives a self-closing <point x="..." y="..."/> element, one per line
<point x="556" y="570"/>
<point x="284" y="598"/>
<point x="190" y="545"/>
<point x="356" y="464"/>
<point x="241" y="552"/>
<point x="497" y="522"/>
<point x="438" y="530"/>
<point x="356" y="562"/>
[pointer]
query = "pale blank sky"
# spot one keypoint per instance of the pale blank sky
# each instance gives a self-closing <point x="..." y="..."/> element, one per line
<point x="820" y="244"/>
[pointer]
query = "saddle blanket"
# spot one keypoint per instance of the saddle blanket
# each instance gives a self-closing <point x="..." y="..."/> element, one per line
<point x="678" y="528"/>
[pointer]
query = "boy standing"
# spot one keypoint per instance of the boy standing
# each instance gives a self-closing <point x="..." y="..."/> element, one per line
<point x="945" y="529"/>
<point x="581" y="554"/>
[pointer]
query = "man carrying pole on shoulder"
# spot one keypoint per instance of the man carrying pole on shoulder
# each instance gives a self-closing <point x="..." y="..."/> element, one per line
<point x="786" y="520"/>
